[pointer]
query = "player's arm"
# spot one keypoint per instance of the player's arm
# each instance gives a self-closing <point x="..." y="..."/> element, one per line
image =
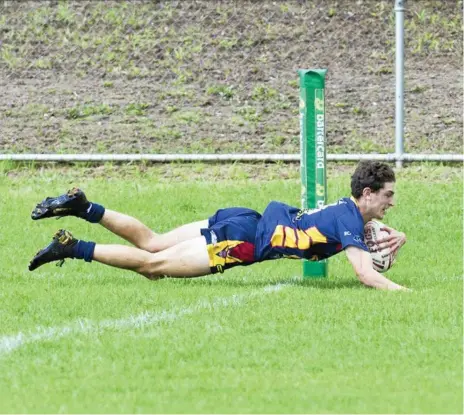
<point x="362" y="264"/>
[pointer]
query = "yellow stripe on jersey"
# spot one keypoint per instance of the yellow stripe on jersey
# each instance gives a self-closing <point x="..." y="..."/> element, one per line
<point x="278" y="236"/>
<point x="288" y="237"/>
<point x="316" y="236"/>
<point x="291" y="237"/>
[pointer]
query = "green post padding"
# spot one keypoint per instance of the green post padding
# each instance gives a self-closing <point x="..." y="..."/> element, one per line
<point x="313" y="152"/>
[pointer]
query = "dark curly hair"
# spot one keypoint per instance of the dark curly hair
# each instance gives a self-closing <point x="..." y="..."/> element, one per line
<point x="372" y="174"/>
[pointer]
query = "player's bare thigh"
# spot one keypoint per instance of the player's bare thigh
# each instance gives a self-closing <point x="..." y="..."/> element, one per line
<point x="188" y="258"/>
<point x="140" y="235"/>
<point x="172" y="238"/>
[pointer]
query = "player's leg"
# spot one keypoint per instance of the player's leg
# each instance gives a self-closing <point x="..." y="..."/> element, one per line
<point x="140" y="235"/>
<point x="75" y="203"/>
<point x="227" y="243"/>
<point x="187" y="259"/>
<point x="184" y="260"/>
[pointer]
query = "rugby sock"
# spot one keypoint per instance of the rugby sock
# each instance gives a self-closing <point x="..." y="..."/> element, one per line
<point x="94" y="213"/>
<point x="83" y="250"/>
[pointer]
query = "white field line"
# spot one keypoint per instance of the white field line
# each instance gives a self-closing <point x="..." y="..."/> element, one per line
<point x="10" y="343"/>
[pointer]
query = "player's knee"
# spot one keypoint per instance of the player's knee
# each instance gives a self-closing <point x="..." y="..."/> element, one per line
<point x="153" y="268"/>
<point x="152" y="245"/>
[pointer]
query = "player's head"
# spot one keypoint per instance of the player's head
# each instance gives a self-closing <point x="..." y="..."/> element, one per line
<point x="372" y="184"/>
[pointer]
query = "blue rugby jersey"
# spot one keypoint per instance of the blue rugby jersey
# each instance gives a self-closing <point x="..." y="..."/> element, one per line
<point x="289" y="232"/>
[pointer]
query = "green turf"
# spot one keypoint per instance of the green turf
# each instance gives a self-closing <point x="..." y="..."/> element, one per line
<point x="87" y="338"/>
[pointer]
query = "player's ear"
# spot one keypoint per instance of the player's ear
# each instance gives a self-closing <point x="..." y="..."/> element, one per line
<point x="367" y="191"/>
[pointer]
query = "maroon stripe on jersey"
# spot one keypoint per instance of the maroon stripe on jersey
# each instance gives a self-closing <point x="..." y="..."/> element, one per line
<point x="244" y="251"/>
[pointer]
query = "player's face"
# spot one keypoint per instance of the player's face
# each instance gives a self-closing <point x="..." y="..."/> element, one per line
<point x="382" y="200"/>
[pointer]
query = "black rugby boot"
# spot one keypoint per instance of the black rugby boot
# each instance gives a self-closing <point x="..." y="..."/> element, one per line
<point x="60" y="248"/>
<point x="72" y="203"/>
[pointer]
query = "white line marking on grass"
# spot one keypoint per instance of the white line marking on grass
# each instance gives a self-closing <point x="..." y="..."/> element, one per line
<point x="10" y="343"/>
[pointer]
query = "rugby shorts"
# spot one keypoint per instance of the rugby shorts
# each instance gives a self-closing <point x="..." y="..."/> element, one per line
<point x="230" y="238"/>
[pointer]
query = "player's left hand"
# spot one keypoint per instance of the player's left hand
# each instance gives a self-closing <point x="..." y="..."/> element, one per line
<point x="395" y="240"/>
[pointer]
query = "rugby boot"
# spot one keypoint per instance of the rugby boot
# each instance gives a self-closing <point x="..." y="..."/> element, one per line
<point x="72" y="203"/>
<point x="60" y="248"/>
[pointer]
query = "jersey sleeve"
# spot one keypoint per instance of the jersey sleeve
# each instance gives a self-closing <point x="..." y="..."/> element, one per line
<point x="351" y="232"/>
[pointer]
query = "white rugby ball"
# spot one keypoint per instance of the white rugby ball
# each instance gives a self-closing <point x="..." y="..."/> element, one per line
<point x="381" y="260"/>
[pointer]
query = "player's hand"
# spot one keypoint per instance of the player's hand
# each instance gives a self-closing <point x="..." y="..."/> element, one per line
<point x="395" y="240"/>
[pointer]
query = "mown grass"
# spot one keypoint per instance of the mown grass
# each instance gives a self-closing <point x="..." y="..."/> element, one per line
<point x="255" y="340"/>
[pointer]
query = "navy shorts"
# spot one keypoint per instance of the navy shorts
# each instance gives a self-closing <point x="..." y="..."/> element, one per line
<point x="230" y="238"/>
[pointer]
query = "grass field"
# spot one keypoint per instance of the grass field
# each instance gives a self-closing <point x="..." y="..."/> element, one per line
<point x="87" y="338"/>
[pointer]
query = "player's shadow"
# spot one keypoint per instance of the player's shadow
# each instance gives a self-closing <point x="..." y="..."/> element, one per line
<point x="327" y="284"/>
<point x="320" y="283"/>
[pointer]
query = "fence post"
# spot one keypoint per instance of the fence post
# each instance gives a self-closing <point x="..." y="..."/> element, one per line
<point x="399" y="73"/>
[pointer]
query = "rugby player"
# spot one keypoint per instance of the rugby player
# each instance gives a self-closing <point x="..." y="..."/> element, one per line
<point x="234" y="236"/>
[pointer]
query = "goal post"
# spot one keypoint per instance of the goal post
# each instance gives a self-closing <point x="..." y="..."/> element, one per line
<point x="313" y="152"/>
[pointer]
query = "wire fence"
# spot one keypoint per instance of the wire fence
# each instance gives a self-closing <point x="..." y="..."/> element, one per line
<point x="216" y="77"/>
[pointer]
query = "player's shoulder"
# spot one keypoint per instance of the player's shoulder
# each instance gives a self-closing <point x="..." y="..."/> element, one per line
<point x="345" y="204"/>
<point x="346" y="210"/>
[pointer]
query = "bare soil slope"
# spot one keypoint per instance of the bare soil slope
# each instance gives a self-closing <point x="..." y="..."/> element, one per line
<point x="214" y="77"/>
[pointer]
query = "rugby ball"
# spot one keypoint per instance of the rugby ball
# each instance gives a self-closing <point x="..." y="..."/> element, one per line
<point x="381" y="260"/>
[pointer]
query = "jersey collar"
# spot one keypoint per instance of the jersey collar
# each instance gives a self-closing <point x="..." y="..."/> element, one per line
<point x="355" y="201"/>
